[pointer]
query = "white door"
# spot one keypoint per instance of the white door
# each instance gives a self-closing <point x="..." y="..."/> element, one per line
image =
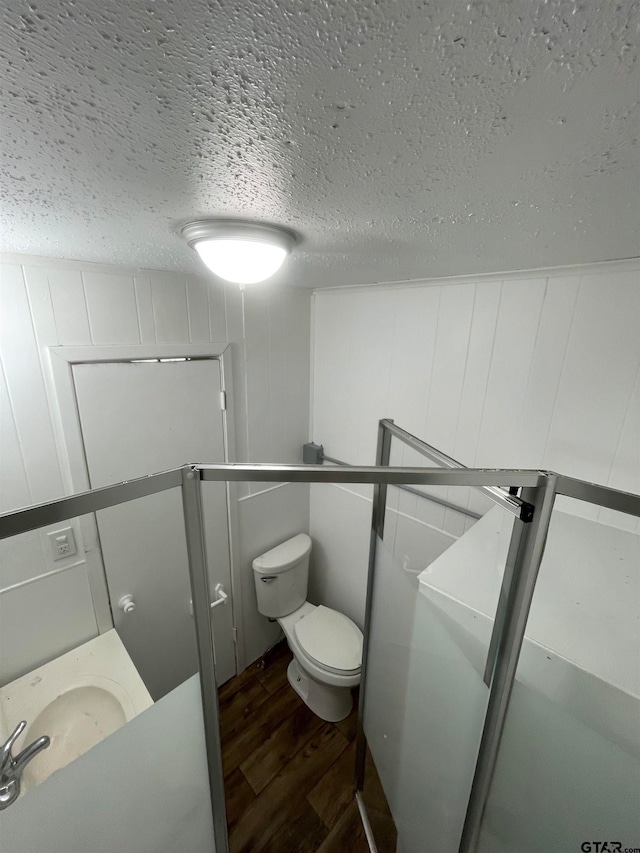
<point x="139" y="418"/>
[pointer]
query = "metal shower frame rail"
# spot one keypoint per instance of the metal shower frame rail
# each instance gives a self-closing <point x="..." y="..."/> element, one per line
<point x="427" y="496"/>
<point x="539" y="489"/>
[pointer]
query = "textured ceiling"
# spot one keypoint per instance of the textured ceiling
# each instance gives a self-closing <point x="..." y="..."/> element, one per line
<point x="400" y="139"/>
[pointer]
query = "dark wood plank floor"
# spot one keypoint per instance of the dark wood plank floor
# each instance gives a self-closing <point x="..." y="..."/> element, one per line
<point x="288" y="774"/>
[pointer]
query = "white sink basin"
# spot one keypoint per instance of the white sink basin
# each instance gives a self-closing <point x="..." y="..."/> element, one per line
<point x="79" y="719"/>
<point x="77" y="700"/>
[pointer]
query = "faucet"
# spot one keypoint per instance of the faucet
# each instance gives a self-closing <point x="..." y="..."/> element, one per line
<point x="11" y="768"/>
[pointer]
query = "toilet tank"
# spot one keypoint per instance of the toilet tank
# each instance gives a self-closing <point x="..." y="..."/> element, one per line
<point x="281" y="576"/>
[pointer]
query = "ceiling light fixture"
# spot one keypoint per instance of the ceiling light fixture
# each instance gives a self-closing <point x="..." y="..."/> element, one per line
<point x="242" y="252"/>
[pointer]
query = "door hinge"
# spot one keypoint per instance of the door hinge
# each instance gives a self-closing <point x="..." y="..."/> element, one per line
<point x="223" y="400"/>
<point x="235" y="635"/>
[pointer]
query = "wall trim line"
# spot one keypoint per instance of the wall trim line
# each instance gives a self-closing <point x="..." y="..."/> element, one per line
<point x="264" y="491"/>
<point x="615" y="265"/>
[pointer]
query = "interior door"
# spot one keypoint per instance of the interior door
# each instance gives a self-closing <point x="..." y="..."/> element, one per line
<point x="139" y="418"/>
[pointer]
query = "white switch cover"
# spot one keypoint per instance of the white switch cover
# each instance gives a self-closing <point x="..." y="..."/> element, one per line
<point x="63" y="543"/>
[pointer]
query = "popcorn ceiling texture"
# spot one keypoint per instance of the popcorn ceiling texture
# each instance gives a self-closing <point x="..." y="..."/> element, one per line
<point x="400" y="139"/>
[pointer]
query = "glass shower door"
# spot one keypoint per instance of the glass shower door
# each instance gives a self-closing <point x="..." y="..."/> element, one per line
<point x="122" y="772"/>
<point x="567" y="776"/>
<point x="437" y="584"/>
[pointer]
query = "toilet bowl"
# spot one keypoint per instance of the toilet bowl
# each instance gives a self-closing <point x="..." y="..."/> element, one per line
<point x="326" y="644"/>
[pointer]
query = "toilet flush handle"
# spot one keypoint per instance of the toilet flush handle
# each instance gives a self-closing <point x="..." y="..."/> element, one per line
<point x="268" y="578"/>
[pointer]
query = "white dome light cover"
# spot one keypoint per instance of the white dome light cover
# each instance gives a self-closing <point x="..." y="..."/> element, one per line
<point x="242" y="252"/>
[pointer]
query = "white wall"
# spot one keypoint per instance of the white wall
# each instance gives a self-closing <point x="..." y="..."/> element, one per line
<point x="528" y="370"/>
<point x="45" y="303"/>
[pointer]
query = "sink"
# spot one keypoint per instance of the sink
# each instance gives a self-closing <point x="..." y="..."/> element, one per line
<point x="77" y="699"/>
<point x="78" y="720"/>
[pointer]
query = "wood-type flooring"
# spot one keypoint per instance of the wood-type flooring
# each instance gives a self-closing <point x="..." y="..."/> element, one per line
<point x="289" y="774"/>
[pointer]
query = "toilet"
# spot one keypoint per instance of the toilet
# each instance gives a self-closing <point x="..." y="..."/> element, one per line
<point x="326" y="644"/>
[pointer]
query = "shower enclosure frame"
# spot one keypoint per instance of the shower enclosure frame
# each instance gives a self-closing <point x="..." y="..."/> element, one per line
<point x="533" y="506"/>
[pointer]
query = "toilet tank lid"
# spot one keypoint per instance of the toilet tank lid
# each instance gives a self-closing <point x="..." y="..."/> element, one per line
<point x="283" y="556"/>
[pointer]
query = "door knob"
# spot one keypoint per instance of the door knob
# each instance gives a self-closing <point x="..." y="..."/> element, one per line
<point x="127" y="604"/>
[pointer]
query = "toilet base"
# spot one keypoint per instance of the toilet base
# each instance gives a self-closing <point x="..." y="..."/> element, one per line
<point x="329" y="703"/>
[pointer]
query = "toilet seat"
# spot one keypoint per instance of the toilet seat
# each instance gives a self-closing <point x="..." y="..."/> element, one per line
<point x="331" y="640"/>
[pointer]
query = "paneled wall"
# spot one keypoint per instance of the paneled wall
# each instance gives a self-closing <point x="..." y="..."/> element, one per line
<point x="45" y="303"/>
<point x="525" y="371"/>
